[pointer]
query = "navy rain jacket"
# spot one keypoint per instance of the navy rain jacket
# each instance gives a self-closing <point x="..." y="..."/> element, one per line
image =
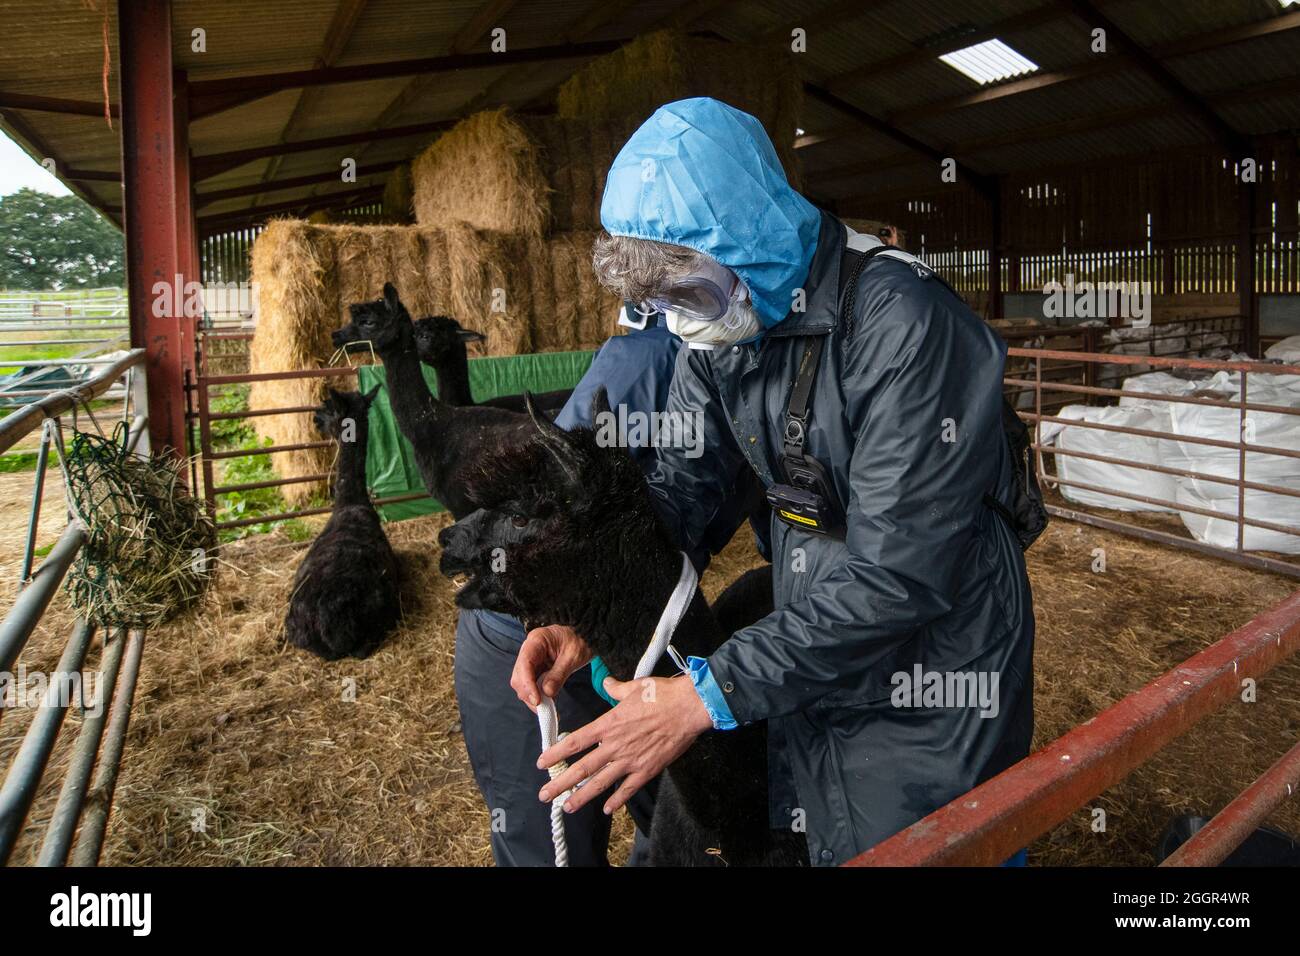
<point x="906" y="418"/>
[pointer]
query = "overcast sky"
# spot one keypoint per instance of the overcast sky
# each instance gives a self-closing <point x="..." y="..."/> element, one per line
<point x="18" y="170"/>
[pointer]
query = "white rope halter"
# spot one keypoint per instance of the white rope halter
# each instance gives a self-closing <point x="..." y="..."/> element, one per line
<point x="548" y="719"/>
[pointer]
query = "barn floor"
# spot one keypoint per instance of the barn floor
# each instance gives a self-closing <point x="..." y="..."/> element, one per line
<point x="244" y="752"/>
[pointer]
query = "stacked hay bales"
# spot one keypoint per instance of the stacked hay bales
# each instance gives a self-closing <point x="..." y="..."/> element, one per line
<point x="636" y="79"/>
<point x="397" y="197"/>
<point x="525" y="294"/>
<point x="529" y="175"/>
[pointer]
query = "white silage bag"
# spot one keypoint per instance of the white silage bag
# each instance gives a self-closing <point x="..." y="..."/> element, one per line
<point x="1121" y="478"/>
<point x="1288" y="350"/>
<point x="1157" y="384"/>
<point x="1272" y="429"/>
<point x="1260" y="505"/>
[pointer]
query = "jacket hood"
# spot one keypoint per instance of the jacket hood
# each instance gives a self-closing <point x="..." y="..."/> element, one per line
<point x="701" y="174"/>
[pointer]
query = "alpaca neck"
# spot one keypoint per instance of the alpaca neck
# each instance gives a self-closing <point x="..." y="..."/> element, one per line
<point x="453" y="380"/>
<point x="722" y="777"/>
<point x="414" y="406"/>
<point x="350" y="482"/>
<point x="621" y="621"/>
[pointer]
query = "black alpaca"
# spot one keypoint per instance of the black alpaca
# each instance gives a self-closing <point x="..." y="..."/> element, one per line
<point x="580" y="545"/>
<point x="440" y="342"/>
<point x="345" y="597"/>
<point x="448" y="440"/>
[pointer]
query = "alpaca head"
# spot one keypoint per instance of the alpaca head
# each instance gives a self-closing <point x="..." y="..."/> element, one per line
<point x="339" y="408"/>
<point x="563" y="519"/>
<point x="384" y="323"/>
<point x="440" y="339"/>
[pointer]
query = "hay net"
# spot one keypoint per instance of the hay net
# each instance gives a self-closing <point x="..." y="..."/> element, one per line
<point x="146" y="555"/>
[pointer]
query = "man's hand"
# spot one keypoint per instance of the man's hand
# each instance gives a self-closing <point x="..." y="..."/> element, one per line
<point x="548" y="656"/>
<point x="655" y="721"/>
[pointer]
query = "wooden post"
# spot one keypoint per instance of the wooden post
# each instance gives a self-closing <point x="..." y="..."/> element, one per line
<point x="187" y="250"/>
<point x="1246" y="263"/>
<point x="995" y="252"/>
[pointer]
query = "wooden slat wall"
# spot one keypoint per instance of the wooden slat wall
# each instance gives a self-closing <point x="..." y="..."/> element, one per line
<point x="1169" y="220"/>
<point x="223" y="256"/>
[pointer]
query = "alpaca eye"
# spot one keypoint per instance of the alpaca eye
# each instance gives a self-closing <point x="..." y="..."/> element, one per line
<point x="519" y="521"/>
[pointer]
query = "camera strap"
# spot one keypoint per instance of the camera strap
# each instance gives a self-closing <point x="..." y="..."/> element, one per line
<point x="797" y="411"/>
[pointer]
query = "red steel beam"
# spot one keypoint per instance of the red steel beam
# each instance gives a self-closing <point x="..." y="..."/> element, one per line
<point x="988" y="824"/>
<point x="92" y="176"/>
<point x="54" y="104"/>
<point x="150" y="208"/>
<point x="212" y="164"/>
<point x="1214" y="842"/>
<point x="273" y="185"/>
<point x="213" y="96"/>
<point x="249" y="217"/>
<point x="187" y="240"/>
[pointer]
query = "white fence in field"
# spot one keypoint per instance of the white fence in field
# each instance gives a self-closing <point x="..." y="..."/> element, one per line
<point x="85" y="327"/>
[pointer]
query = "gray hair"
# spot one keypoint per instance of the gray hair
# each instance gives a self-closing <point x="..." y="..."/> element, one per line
<point x="640" y="269"/>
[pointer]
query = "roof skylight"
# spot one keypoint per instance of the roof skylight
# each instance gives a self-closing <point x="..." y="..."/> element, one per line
<point x="989" y="62"/>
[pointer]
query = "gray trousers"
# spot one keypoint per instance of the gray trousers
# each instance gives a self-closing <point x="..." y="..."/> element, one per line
<point x="503" y="741"/>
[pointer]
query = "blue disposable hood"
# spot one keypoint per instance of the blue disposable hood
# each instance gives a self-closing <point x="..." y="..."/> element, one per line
<point x="701" y="174"/>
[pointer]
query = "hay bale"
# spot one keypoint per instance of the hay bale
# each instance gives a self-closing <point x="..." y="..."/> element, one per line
<point x="515" y="174"/>
<point x="398" y="196"/>
<point x="636" y="79"/>
<point x="526" y="294"/>
<point x="575" y="156"/>
<point x="571" y="310"/>
<point x="485" y="172"/>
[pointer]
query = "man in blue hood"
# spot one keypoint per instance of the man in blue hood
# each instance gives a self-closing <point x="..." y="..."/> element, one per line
<point x="896" y="671"/>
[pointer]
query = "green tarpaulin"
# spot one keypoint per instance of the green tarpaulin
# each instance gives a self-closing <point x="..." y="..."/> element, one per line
<point x="390" y="463"/>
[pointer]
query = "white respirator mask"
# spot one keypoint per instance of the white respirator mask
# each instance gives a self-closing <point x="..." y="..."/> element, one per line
<point x="738" y="325"/>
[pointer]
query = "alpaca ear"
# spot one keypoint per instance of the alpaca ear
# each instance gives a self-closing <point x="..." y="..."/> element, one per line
<point x="390" y="296"/>
<point x="469" y="335"/>
<point x="369" y="396"/>
<point x="600" y="403"/>
<point x="555" y="440"/>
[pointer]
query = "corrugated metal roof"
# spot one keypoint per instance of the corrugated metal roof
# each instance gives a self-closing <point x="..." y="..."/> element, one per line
<point x="62" y="56"/>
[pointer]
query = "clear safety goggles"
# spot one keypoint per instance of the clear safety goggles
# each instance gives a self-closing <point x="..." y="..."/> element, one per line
<point x="706" y="296"/>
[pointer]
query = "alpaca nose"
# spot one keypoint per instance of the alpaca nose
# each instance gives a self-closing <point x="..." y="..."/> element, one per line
<point x="449" y="538"/>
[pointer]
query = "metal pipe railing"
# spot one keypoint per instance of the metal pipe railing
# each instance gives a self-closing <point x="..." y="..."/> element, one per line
<point x="1234" y="483"/>
<point x="38" y="493"/>
<point x="17" y="424"/>
<point x="32" y="600"/>
<point x="1245" y="559"/>
<point x="1215" y="841"/>
<point x="306" y="512"/>
<point x="28" y="765"/>
<point x="988" y="824"/>
<point x="209" y="456"/>
<point x="72" y="796"/>
<point x="25" y="771"/>
<point x="99" y="801"/>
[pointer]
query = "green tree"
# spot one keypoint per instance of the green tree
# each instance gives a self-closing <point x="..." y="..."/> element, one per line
<point x="57" y="242"/>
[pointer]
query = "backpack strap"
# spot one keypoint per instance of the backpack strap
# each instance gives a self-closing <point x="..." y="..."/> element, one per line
<point x="852" y="262"/>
